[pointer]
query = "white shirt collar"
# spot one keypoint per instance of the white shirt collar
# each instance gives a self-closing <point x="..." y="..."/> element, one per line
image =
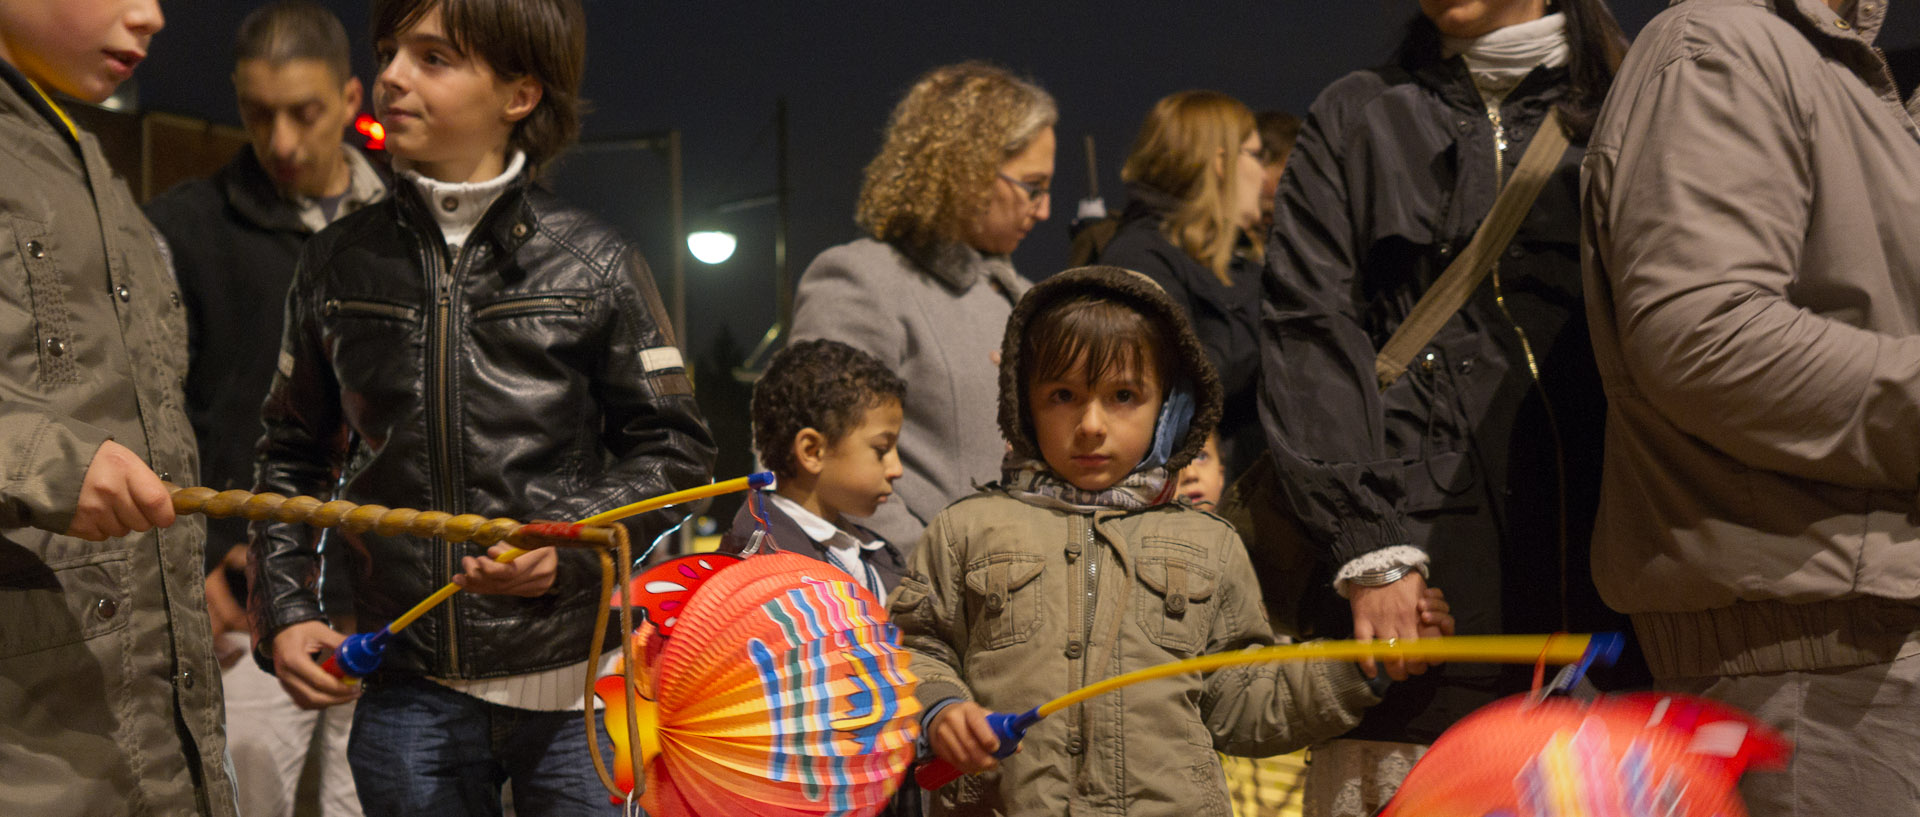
<point x="820" y="530"/>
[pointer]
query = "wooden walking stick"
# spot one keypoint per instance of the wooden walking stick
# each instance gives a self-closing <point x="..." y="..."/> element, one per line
<point x="360" y="654"/>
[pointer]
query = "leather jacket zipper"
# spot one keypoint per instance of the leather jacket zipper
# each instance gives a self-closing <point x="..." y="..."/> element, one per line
<point x="439" y="414"/>
<point x="536" y="305"/>
<point x="1533" y="368"/>
<point x="375" y="309"/>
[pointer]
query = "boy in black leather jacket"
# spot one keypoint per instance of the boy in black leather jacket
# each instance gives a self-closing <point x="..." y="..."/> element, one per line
<point x="470" y="345"/>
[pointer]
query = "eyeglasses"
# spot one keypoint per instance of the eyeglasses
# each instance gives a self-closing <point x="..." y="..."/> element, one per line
<point x="1034" y="192"/>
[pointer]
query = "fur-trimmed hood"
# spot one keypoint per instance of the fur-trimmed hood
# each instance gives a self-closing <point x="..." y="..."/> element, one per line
<point x="1141" y="293"/>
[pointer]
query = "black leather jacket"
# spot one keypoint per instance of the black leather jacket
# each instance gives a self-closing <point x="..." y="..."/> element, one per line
<point x="532" y="377"/>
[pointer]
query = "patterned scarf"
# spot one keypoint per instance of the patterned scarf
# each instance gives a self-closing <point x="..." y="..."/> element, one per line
<point x="1031" y="481"/>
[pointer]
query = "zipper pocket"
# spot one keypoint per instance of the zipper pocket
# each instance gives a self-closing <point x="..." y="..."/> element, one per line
<point x="538" y="305"/>
<point x="374" y="309"/>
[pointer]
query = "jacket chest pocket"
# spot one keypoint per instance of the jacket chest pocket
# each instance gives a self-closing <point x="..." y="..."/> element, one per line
<point x="1005" y="598"/>
<point x="1177" y="614"/>
<point x="553" y="323"/>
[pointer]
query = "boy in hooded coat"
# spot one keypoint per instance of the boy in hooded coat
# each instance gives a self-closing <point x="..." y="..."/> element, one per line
<point x="1079" y="565"/>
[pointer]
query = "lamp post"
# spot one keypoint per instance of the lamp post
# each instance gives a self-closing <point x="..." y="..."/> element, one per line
<point x="711" y="242"/>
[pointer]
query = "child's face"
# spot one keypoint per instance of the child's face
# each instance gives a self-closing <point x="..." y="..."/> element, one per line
<point x="1094" y="434"/>
<point x="82" y="48"/>
<point x="444" y="111"/>
<point x="858" y="470"/>
<point x="1202" y="481"/>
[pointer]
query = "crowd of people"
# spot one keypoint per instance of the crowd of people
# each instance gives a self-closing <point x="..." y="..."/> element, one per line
<point x="1531" y="329"/>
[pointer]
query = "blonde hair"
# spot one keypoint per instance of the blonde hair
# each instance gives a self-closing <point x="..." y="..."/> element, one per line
<point x="1179" y="143"/>
<point x="945" y="141"/>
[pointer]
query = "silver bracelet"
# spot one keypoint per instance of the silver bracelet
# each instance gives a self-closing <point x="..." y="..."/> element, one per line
<point x="1381" y="577"/>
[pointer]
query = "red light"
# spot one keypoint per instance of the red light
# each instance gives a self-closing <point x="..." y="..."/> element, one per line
<point x="372" y="129"/>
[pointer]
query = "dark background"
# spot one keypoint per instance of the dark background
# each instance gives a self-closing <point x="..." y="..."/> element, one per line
<point x="713" y="70"/>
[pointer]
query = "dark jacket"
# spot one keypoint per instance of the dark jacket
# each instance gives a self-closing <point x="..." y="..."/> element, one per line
<point x="109" y="692"/>
<point x="886" y="561"/>
<point x="1227" y="318"/>
<point x="234" y="241"/>
<point x="532" y="377"/>
<point x="1462" y="457"/>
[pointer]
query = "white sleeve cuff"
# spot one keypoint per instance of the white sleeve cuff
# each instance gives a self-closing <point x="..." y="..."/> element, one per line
<point x="1382" y="559"/>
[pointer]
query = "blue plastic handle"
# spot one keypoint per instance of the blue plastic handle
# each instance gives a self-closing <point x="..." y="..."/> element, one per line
<point x="358" y="656"/>
<point x="1009" y="727"/>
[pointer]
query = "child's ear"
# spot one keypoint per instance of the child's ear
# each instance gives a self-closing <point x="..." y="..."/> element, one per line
<point x="810" y="451"/>
<point x="523" y="96"/>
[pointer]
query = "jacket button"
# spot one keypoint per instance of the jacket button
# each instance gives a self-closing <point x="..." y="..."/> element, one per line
<point x="1073" y="649"/>
<point x="1177" y="605"/>
<point x="1466" y="366"/>
<point x="36" y="249"/>
<point x="124" y="293"/>
<point x="186" y="678"/>
<point x="1842" y="25"/>
<point x="176" y="298"/>
<point x="996" y="602"/>
<point x="1427" y="361"/>
<point x="1075" y="746"/>
<point x="166" y="476"/>
<point x="56" y="347"/>
<point x="449" y="204"/>
<point x="520" y="230"/>
<point x="106" y="608"/>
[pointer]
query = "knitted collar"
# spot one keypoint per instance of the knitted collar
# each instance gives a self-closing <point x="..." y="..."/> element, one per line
<point x="458" y="206"/>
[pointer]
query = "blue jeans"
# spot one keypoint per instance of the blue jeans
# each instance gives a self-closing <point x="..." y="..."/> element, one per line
<point x="419" y="749"/>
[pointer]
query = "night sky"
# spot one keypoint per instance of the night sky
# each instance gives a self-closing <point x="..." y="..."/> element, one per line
<point x="714" y="68"/>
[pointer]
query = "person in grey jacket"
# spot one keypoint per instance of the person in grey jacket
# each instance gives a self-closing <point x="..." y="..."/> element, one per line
<point x="1751" y="268"/>
<point x="961" y="177"/>
<point x="109" y="692"/>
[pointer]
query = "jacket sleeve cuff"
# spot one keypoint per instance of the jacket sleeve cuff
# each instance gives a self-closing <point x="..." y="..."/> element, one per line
<point x="936" y="693"/>
<point x="1385" y="558"/>
<point x="47" y="458"/>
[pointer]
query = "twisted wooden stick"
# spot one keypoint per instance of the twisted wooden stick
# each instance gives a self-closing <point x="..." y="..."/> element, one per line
<point x="385" y="521"/>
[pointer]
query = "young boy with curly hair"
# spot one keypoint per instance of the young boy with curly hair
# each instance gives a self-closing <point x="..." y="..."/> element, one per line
<point x="471" y="345"/>
<point x="826" y="422"/>
<point x="1080" y="565"/>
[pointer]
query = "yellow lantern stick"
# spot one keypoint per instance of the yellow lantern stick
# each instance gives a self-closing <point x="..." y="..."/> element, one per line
<point x="1010" y="727"/>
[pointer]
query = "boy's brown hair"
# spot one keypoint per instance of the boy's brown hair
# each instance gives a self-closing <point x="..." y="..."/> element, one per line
<point x="542" y="39"/>
<point x="1113" y="338"/>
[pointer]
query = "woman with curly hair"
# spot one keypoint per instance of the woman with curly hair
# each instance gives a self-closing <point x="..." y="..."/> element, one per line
<point x="1193" y="180"/>
<point x="962" y="175"/>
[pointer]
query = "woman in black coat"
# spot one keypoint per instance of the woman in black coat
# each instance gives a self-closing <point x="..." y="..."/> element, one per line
<point x="1194" y="177"/>
<point x="1480" y="466"/>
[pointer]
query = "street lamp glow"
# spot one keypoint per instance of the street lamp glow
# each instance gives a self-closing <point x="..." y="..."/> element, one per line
<point x="711" y="246"/>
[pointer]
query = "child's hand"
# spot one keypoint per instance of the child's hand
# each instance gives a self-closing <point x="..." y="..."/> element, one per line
<point x="530" y="575"/>
<point x="119" y="494"/>
<point x="960" y="736"/>
<point x="306" y="683"/>
<point x="1436" y="616"/>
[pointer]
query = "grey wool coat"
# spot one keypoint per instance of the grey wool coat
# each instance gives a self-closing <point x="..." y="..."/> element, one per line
<point x="937" y="324"/>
